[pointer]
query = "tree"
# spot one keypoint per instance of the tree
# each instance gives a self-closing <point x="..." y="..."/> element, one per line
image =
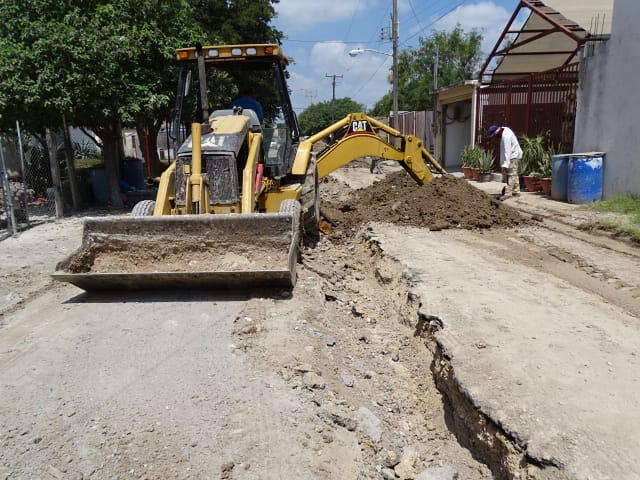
<point x="184" y="24"/>
<point x="459" y="58"/>
<point x="105" y="64"/>
<point x="97" y="63"/>
<point x="237" y="21"/>
<point x="317" y="116"/>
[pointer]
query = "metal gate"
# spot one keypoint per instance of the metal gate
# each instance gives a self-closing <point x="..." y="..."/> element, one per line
<point x="538" y="104"/>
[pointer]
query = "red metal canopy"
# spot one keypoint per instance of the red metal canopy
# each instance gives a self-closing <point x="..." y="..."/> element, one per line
<point x="547" y="39"/>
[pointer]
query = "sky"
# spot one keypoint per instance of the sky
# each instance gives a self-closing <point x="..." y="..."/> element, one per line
<point x="319" y="35"/>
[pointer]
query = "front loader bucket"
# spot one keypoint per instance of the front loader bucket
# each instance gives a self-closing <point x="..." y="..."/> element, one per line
<point x="231" y="251"/>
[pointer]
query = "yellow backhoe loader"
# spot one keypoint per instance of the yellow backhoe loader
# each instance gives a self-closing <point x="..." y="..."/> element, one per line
<point x="232" y="208"/>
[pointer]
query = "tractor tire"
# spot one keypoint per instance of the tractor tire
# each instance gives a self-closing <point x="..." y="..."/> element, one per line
<point x="292" y="207"/>
<point x="310" y="201"/>
<point x="143" y="209"/>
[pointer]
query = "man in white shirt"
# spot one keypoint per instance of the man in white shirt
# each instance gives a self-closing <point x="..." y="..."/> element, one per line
<point x="510" y="155"/>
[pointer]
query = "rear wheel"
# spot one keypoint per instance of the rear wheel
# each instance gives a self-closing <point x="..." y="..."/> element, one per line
<point x="143" y="209"/>
<point x="310" y="200"/>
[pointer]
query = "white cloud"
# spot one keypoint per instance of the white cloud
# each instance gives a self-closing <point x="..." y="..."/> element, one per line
<point x="364" y="77"/>
<point x="487" y="17"/>
<point x="329" y="55"/>
<point x="297" y="15"/>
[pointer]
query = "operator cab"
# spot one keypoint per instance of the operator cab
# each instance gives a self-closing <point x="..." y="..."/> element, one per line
<point x="258" y="65"/>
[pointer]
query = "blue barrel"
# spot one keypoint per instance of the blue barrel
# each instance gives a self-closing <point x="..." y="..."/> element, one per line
<point x="559" y="177"/>
<point x="584" y="178"/>
<point x="100" y="186"/>
<point x="132" y="173"/>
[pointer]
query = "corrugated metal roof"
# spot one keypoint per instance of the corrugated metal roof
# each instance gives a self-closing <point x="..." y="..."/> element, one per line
<point x="550" y="37"/>
<point x="592" y="15"/>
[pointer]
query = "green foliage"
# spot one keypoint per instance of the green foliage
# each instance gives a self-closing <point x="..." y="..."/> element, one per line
<point x="485" y="161"/>
<point x="459" y="58"/>
<point x="88" y="162"/>
<point x="471" y="156"/>
<point x="533" y="153"/>
<point x="100" y="63"/>
<point x="317" y="116"/>
<point x="237" y="21"/>
<point x="93" y="61"/>
<point x="85" y="149"/>
<point x="545" y="165"/>
<point x="626" y="205"/>
<point x="107" y="64"/>
<point x="536" y="157"/>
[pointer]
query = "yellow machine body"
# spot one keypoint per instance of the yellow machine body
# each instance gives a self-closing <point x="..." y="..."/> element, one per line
<point x="230" y="201"/>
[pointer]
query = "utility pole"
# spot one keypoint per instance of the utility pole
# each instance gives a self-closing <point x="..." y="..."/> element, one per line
<point x="311" y="94"/>
<point x="434" y="102"/>
<point x="333" y="97"/>
<point x="394" y="38"/>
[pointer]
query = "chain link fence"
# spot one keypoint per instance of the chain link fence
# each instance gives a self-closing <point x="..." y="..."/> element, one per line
<point x="24" y="183"/>
<point x="27" y="195"/>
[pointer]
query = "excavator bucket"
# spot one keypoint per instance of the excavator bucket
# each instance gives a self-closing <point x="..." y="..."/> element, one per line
<point x="187" y="251"/>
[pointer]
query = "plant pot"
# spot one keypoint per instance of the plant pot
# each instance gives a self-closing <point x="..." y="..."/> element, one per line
<point x="545" y="185"/>
<point x="485" y="177"/>
<point x="475" y="174"/>
<point x="467" y="172"/>
<point x="530" y="183"/>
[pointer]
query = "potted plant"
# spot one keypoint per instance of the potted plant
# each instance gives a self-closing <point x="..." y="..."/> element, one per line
<point x="544" y="170"/>
<point x="533" y="152"/>
<point x="474" y="161"/>
<point x="466" y="160"/>
<point x="485" y="164"/>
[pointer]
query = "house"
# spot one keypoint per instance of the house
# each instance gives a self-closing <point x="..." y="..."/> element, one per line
<point x="563" y="69"/>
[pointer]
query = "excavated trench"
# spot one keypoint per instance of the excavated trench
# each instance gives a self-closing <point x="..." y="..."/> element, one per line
<point x="444" y="203"/>
<point x="473" y="430"/>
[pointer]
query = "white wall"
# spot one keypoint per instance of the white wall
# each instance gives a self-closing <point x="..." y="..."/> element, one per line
<point x="609" y="102"/>
<point x="457" y="132"/>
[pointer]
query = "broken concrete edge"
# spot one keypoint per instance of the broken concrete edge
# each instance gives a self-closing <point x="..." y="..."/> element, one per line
<point x="488" y="439"/>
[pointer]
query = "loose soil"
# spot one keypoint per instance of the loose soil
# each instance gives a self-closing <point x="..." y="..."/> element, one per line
<point x="445" y="202"/>
<point x="139" y="254"/>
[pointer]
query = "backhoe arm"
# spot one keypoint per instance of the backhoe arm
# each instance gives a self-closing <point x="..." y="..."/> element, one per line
<point x="358" y="135"/>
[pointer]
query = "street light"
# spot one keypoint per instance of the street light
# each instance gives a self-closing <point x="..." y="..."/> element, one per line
<point x="394" y="73"/>
<point x="359" y="51"/>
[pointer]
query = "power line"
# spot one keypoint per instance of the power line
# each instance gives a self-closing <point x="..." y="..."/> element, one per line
<point x="438" y="19"/>
<point x="417" y="19"/>
<point x="370" y="78"/>
<point x="352" y="18"/>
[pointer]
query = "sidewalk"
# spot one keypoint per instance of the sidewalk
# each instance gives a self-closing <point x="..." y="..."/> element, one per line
<point x="558" y="215"/>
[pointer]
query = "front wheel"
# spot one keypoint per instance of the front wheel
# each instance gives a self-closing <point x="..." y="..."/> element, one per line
<point x="144" y="208"/>
<point x="293" y="208"/>
<point x="290" y="206"/>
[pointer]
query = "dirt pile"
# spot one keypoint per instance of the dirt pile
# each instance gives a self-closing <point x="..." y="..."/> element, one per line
<point x="445" y="202"/>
